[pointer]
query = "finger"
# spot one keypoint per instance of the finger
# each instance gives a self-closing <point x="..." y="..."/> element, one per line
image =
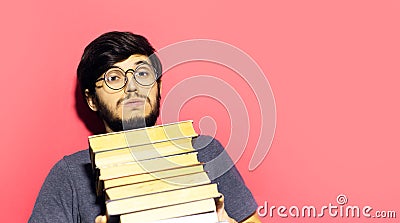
<point x="101" y="219"/>
<point x="219" y="204"/>
<point x="219" y="201"/>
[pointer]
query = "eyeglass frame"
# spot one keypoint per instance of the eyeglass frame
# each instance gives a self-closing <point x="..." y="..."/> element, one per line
<point x="126" y="77"/>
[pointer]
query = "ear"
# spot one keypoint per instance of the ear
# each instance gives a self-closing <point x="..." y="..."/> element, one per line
<point x="90" y="100"/>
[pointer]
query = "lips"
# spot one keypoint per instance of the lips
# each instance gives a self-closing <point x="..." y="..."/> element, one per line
<point x="135" y="102"/>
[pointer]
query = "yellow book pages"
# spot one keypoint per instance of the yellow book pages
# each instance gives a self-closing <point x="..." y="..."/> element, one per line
<point x="173" y="211"/>
<point x="143" y="152"/>
<point x="147" y="166"/>
<point x="156" y="186"/>
<point x="141" y="136"/>
<point x="145" y="202"/>
<point x="152" y="176"/>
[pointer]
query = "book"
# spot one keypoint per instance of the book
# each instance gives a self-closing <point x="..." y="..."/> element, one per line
<point x="156" y="186"/>
<point x="151" y="176"/>
<point x="143" y="152"/>
<point x="141" y="136"/>
<point x="201" y="211"/>
<point x="158" y="200"/>
<point x="148" y="166"/>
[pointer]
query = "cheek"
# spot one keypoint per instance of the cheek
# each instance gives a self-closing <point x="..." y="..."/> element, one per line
<point x="110" y="100"/>
<point x="154" y="95"/>
<point x="151" y="94"/>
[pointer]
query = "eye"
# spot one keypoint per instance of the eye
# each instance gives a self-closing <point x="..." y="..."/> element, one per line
<point x="114" y="76"/>
<point x="142" y="74"/>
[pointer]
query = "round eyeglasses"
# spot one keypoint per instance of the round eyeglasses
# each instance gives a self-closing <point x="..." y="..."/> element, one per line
<point x="116" y="78"/>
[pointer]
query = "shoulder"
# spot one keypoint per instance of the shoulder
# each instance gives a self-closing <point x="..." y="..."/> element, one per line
<point x="68" y="167"/>
<point x="215" y="158"/>
<point x="61" y="167"/>
<point x="79" y="167"/>
<point x="208" y="147"/>
<point x="80" y="157"/>
<point x="67" y="192"/>
<point x="74" y="170"/>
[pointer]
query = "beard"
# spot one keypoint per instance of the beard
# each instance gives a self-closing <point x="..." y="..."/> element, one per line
<point x="117" y="124"/>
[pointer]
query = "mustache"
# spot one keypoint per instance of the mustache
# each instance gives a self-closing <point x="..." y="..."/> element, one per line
<point x="130" y="96"/>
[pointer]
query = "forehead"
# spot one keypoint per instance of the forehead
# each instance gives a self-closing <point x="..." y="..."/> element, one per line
<point x="132" y="61"/>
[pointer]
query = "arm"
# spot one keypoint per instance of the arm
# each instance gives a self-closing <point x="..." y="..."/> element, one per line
<point x="252" y="219"/>
<point x="55" y="200"/>
<point x="223" y="216"/>
<point x="239" y="203"/>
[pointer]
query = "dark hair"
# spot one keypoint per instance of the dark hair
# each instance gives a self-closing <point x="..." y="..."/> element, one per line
<point x="108" y="49"/>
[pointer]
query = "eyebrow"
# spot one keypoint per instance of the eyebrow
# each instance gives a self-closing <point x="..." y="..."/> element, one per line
<point x="137" y="63"/>
<point x="142" y="62"/>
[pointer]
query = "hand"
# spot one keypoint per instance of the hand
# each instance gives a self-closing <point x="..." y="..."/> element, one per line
<point x="222" y="215"/>
<point x="101" y="219"/>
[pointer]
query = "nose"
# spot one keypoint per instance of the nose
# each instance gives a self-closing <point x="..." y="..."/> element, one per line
<point x="131" y="84"/>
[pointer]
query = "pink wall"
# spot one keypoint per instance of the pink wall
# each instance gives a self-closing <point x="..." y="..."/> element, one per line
<point x="333" y="67"/>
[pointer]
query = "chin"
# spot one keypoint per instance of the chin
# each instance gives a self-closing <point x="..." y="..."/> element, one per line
<point x="133" y="115"/>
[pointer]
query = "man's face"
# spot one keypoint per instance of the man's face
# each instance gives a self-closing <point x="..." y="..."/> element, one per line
<point x="133" y="106"/>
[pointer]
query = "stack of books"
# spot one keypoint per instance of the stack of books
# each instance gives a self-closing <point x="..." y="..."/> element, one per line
<point x="152" y="175"/>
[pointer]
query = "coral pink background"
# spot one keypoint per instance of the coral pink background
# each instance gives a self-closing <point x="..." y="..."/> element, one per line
<point x="333" y="67"/>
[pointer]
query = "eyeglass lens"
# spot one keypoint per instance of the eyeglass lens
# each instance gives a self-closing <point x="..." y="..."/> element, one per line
<point x="144" y="75"/>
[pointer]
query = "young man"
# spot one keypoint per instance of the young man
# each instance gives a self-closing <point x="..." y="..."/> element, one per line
<point x="120" y="78"/>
